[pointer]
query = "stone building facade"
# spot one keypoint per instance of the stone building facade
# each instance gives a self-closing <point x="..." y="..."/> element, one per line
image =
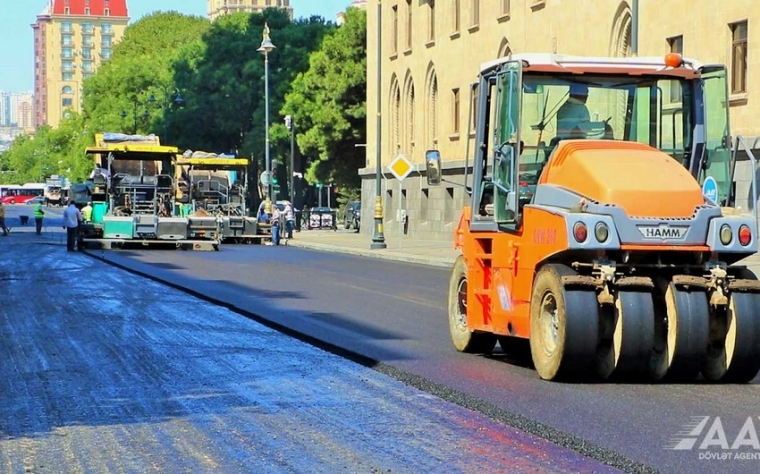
<point x="431" y="52"/>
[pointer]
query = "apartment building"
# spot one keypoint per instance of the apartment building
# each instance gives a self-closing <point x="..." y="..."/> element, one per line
<point x="72" y="38"/>
<point x="431" y="52"/>
<point x="217" y="8"/>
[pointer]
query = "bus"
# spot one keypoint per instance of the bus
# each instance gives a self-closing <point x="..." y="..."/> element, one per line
<point x="22" y="194"/>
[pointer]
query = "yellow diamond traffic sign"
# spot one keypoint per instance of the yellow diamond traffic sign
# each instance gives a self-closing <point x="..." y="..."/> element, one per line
<point x="400" y="167"/>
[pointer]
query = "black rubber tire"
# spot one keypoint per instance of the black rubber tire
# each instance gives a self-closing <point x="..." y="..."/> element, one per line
<point x="737" y="360"/>
<point x="631" y="348"/>
<point x="563" y="347"/>
<point x="685" y="337"/>
<point x="464" y="340"/>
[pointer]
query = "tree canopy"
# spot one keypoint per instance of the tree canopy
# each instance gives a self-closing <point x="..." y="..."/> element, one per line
<point x="316" y="73"/>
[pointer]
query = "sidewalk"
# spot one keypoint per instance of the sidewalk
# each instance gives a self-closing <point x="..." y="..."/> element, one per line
<point x="431" y="252"/>
<point x="435" y="253"/>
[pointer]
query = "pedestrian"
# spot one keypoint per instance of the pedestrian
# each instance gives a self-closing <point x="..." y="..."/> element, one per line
<point x="290" y="219"/>
<point x="275" y="224"/>
<point x="87" y="212"/>
<point x="71" y="219"/>
<point x="38" y="215"/>
<point x="5" y="230"/>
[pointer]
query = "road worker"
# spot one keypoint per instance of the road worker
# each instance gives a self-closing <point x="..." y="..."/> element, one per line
<point x="87" y="212"/>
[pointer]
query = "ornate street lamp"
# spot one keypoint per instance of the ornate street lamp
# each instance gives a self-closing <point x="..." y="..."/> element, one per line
<point x="265" y="49"/>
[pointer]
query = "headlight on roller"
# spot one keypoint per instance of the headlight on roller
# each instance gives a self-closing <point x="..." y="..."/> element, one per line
<point x="602" y="232"/>
<point x="726" y="235"/>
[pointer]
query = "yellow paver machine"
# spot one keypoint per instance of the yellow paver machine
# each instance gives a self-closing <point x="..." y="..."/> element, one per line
<point x="134" y="194"/>
<point x="217" y="185"/>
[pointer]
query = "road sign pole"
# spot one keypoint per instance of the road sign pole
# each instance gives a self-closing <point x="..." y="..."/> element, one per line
<point x="400" y="214"/>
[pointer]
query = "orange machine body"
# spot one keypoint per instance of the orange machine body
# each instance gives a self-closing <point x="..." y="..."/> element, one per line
<point x="501" y="266"/>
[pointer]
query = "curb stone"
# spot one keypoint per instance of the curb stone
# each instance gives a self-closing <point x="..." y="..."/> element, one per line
<point x="379" y="254"/>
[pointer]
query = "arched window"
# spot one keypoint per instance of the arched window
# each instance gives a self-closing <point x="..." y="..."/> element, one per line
<point x="395" y="116"/>
<point x="67" y="90"/>
<point x="432" y="113"/>
<point x="409" y="122"/>
<point x="620" y="36"/>
<point x="504" y="49"/>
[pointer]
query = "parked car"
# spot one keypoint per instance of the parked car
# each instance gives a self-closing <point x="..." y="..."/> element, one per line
<point x="36" y="200"/>
<point x="352" y="217"/>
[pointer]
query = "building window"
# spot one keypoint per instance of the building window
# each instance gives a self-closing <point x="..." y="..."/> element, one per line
<point x="66" y="27"/>
<point x="87" y="12"/>
<point x="475" y="12"/>
<point x="66" y="53"/>
<point x="66" y="11"/>
<point x="86" y="53"/>
<point x="68" y="40"/>
<point x="67" y="66"/>
<point x="738" y="57"/>
<point x="87" y="66"/>
<point x="67" y="76"/>
<point x="431" y="27"/>
<point x="676" y="46"/>
<point x="105" y="28"/>
<point x="505" y="7"/>
<point x="408" y="24"/>
<point x="457" y="15"/>
<point x="66" y="102"/>
<point x="105" y="42"/>
<point x="87" y="28"/>
<point x="394" y="38"/>
<point x="67" y="90"/>
<point x="106" y="12"/>
<point x="106" y="53"/>
<point x="455" y="111"/>
<point x="87" y="41"/>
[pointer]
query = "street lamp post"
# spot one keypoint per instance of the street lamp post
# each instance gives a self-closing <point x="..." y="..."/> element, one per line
<point x="265" y="49"/>
<point x="378" y="239"/>
<point x="291" y="124"/>
<point x="178" y="99"/>
<point x="145" y="114"/>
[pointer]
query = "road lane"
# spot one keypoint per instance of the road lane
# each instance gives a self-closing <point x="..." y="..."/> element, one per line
<point x="104" y="371"/>
<point x="397" y="317"/>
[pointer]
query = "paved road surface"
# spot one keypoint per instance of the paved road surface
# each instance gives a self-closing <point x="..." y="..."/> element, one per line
<point x="395" y="313"/>
<point x="103" y="371"/>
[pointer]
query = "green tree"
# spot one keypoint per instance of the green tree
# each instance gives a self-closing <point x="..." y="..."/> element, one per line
<point x="141" y="66"/>
<point x="329" y="103"/>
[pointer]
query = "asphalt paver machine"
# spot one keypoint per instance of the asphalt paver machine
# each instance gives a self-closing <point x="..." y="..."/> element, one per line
<point x="621" y="261"/>
<point x="216" y="185"/>
<point x="133" y="192"/>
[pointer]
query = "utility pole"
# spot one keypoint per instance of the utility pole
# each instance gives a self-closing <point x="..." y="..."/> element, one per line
<point x="290" y="123"/>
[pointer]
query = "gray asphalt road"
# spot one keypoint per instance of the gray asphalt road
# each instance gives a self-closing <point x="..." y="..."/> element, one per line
<point x="104" y="371"/>
<point x="395" y="314"/>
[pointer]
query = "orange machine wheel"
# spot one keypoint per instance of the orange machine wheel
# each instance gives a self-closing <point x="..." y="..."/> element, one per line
<point x="564" y="326"/>
<point x="464" y="340"/>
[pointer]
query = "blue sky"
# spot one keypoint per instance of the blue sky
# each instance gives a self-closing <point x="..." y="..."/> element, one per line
<point x="16" y="40"/>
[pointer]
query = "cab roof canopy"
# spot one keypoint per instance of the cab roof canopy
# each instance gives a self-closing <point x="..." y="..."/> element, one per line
<point x="568" y="64"/>
<point x="131" y="147"/>
<point x="213" y="163"/>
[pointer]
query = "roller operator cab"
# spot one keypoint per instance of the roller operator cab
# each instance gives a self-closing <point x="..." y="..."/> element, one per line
<point x="602" y="224"/>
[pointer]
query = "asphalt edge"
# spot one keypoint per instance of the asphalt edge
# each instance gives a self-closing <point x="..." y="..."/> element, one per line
<point x="520" y="422"/>
<point x="378" y="254"/>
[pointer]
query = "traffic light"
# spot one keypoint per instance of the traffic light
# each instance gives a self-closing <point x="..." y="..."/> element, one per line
<point x="274" y="180"/>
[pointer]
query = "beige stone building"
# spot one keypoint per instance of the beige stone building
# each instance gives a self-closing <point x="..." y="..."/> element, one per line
<point x="431" y="51"/>
<point x="71" y="39"/>
<point x="217" y="8"/>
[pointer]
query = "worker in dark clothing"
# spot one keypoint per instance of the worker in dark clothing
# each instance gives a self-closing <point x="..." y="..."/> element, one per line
<point x="38" y="215"/>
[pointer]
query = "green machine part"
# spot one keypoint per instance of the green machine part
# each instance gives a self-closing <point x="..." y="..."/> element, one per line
<point x="99" y="210"/>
